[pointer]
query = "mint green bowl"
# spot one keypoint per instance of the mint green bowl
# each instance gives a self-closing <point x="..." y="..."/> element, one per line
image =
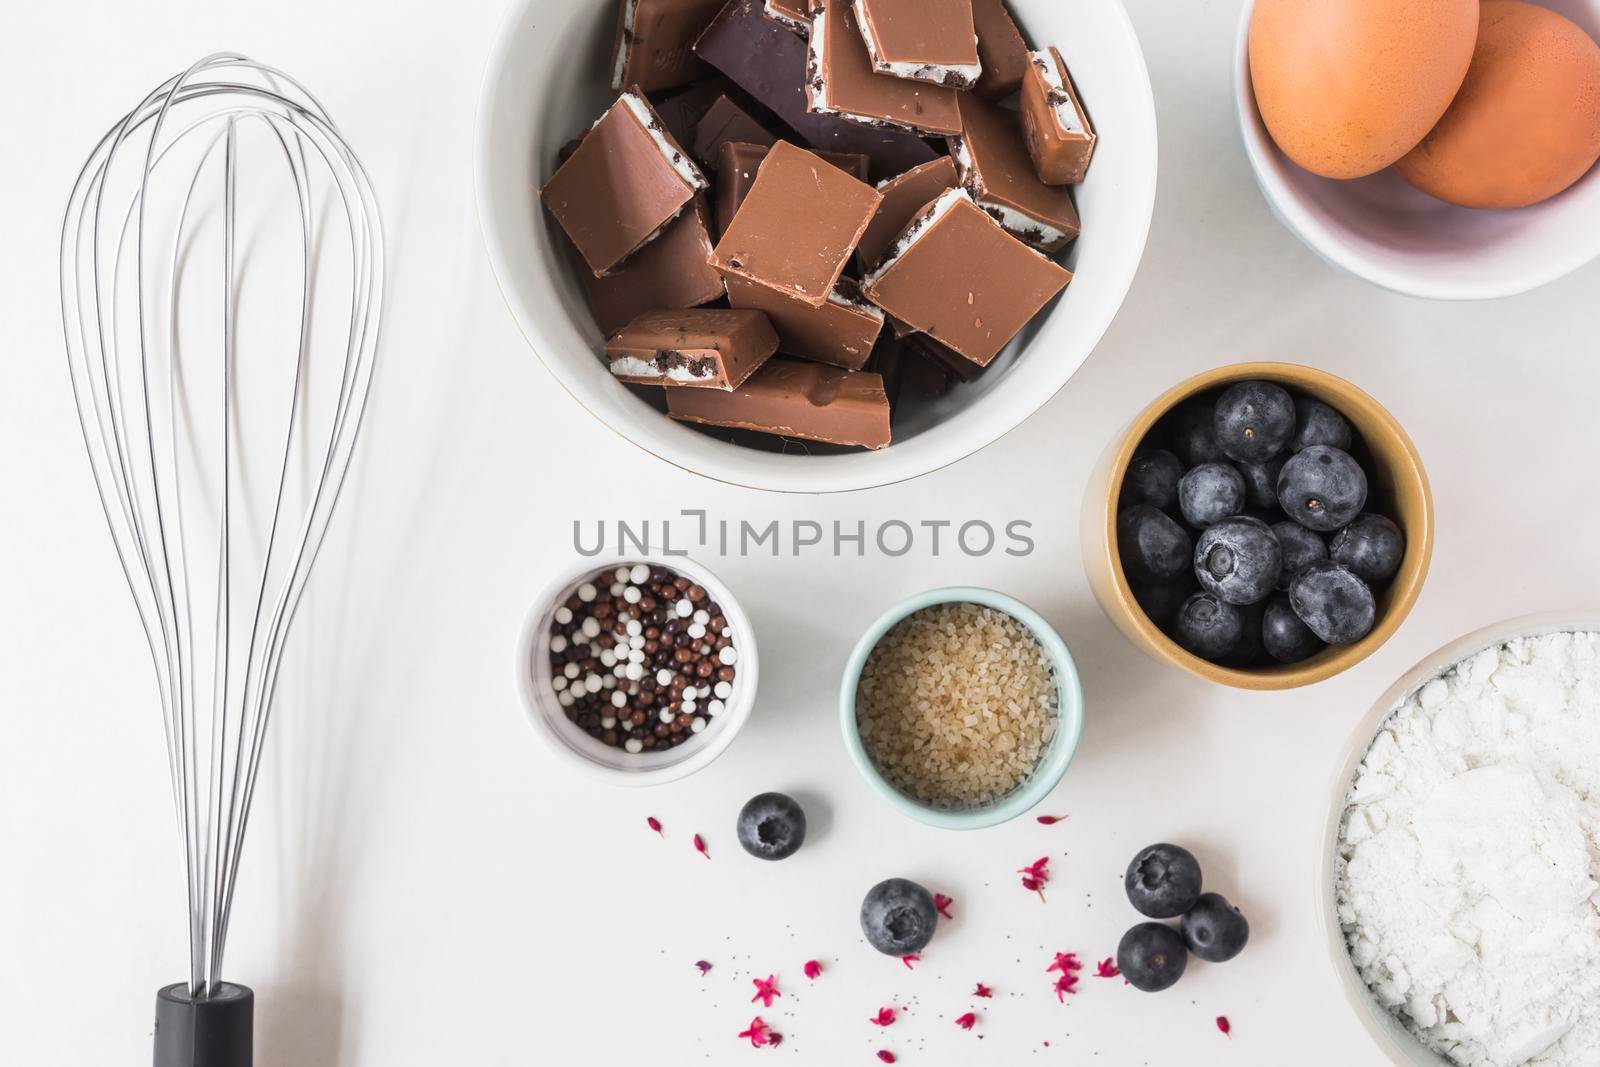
<point x="1051" y="766"/>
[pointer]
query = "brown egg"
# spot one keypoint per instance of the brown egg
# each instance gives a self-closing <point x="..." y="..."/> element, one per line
<point x="1346" y="87"/>
<point x="1526" y="123"/>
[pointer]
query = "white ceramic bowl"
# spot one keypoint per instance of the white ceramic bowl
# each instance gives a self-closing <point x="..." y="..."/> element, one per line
<point x="544" y="84"/>
<point x="1381" y="229"/>
<point x="587" y="755"/>
<point x="1392" y="1038"/>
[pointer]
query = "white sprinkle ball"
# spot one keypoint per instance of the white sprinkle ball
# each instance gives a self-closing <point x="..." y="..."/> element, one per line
<point x="698" y="725"/>
<point x="663" y="677"/>
<point x="684" y="608"/>
<point x="632" y="595"/>
<point x="586" y="592"/>
<point x="702" y="616"/>
<point x="591" y="628"/>
<point x="619" y="699"/>
<point x="723" y="690"/>
<point x="634" y="746"/>
<point x="640" y="574"/>
<point x="729" y="655"/>
<point x="696" y="632"/>
<point x="558" y="643"/>
<point x="563" y="615"/>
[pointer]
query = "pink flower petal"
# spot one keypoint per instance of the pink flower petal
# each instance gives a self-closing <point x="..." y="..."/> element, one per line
<point x="813" y="968"/>
<point x="766" y="989"/>
<point x="966" y="1021"/>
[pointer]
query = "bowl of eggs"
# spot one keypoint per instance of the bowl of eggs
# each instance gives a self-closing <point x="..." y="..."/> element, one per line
<point x="1439" y="148"/>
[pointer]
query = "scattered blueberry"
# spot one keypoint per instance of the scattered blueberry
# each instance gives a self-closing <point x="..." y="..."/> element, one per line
<point x="1254" y="421"/>
<point x="1337" y="606"/>
<point x="898" y="917"/>
<point x="1322" y="488"/>
<point x="1161" y="600"/>
<point x="1261" y="482"/>
<point x="1300" y="546"/>
<point x="771" y="826"/>
<point x="1251" y="652"/>
<point x="1152" y="479"/>
<point x="1287" y="639"/>
<point x="1214" y="930"/>
<point x="1194" y="435"/>
<point x="1152" y="957"/>
<point x="1319" y="424"/>
<point x="1163" y="880"/>
<point x="1153" y="547"/>
<point x="1371" y="546"/>
<point x="1208" y="627"/>
<point x="1210" y="492"/>
<point x="1238" y="560"/>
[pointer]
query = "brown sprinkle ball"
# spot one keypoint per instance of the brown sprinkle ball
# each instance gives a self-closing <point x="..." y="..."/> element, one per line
<point x="956" y="705"/>
<point x="641" y="658"/>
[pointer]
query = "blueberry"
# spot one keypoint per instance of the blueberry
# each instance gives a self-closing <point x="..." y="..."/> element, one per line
<point x="898" y="917"/>
<point x="1161" y="600"/>
<point x="1251" y="652"/>
<point x="1300" y="546"/>
<point x="1214" y="930"/>
<point x="1152" y="479"/>
<point x="771" y="826"/>
<point x="1287" y="639"/>
<point x="1371" y="546"/>
<point x="1194" y="435"/>
<point x="1238" y="560"/>
<point x="1261" y="482"/>
<point x="1163" y="881"/>
<point x="1208" y="627"/>
<point x="1333" y="602"/>
<point x="1318" y="424"/>
<point x="1322" y="488"/>
<point x="1210" y="492"/>
<point x="1254" y="421"/>
<point x="1153" y="547"/>
<point x="1152" y="956"/>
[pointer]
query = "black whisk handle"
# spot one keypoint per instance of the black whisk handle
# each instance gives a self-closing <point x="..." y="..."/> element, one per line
<point x="214" y="1031"/>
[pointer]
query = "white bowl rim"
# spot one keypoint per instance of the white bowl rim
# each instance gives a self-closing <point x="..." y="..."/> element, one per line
<point x="1380" y="1023"/>
<point x="853" y="471"/>
<point x="733" y="718"/>
<point x="1316" y="236"/>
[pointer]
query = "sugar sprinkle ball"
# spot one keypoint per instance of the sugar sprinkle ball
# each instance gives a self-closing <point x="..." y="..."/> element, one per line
<point x="641" y="657"/>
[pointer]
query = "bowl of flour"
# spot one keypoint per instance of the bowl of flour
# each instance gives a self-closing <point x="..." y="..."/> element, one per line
<point x="1461" y="864"/>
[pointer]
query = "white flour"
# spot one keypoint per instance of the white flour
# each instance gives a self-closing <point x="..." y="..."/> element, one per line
<point x="1470" y="852"/>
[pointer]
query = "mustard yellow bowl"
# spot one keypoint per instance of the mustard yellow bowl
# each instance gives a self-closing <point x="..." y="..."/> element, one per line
<point x="1398" y="488"/>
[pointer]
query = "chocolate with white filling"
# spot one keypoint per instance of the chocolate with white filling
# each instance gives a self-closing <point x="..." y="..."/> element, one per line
<point x="708" y="348"/>
<point x="1059" y="135"/>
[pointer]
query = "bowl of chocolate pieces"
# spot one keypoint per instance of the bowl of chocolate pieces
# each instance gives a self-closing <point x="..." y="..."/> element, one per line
<point x="815" y="246"/>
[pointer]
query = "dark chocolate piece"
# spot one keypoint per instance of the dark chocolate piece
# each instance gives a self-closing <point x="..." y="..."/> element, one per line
<point x="655" y="43"/>
<point x="840" y="80"/>
<point x="736" y="172"/>
<point x="682" y="110"/>
<point x="768" y="61"/>
<point x="622" y="184"/>
<point x="993" y="163"/>
<point x="798" y="226"/>
<point x="925" y="40"/>
<point x="903" y="197"/>
<point x="726" y="121"/>
<point x="956" y="275"/>
<point x="1001" y="49"/>
<point x="1059" y="135"/>
<point x="695" y="348"/>
<point x="670" y="272"/>
<point x="944" y="357"/>
<point x="793" y="399"/>
<point x="840" y="332"/>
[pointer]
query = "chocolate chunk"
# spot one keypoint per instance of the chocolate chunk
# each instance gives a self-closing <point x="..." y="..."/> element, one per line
<point x="670" y="272"/>
<point x="798" y="225"/>
<point x="903" y="197"/>
<point x="993" y="163"/>
<point x="840" y="332"/>
<point x="769" y="62"/>
<point x="888" y="361"/>
<point x="926" y="40"/>
<point x="956" y="275"/>
<point x="726" y="121"/>
<point x="655" y="43"/>
<point x="736" y="172"/>
<point x="944" y="357"/>
<point x="1001" y="49"/>
<point x="1059" y="135"/>
<point x="622" y="185"/>
<point x="705" y="348"/>
<point x="791" y="13"/>
<point x="840" y="80"/>
<point x="681" y="111"/>
<point x="924" y="376"/>
<point x="794" y="399"/>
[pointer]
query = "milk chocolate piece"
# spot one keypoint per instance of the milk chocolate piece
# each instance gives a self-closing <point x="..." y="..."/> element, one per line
<point x="622" y="184"/>
<point x="794" y="399"/>
<point x="696" y="348"/>
<point x="670" y="272"/>
<point x="798" y="226"/>
<point x="840" y="80"/>
<point x="769" y="62"/>
<point x="840" y="332"/>
<point x="957" y="276"/>
<point x="655" y="43"/>
<point x="925" y="40"/>
<point x="1001" y="49"/>
<point x="723" y="122"/>
<point x="736" y="172"/>
<point x="791" y="13"/>
<point x="1059" y="135"/>
<point x="993" y="163"/>
<point x="903" y="197"/>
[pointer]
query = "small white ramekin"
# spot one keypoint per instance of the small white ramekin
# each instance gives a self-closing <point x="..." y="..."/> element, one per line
<point x="600" y="761"/>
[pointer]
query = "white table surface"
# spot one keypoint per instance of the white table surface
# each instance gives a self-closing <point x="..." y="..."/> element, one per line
<point x="425" y="886"/>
